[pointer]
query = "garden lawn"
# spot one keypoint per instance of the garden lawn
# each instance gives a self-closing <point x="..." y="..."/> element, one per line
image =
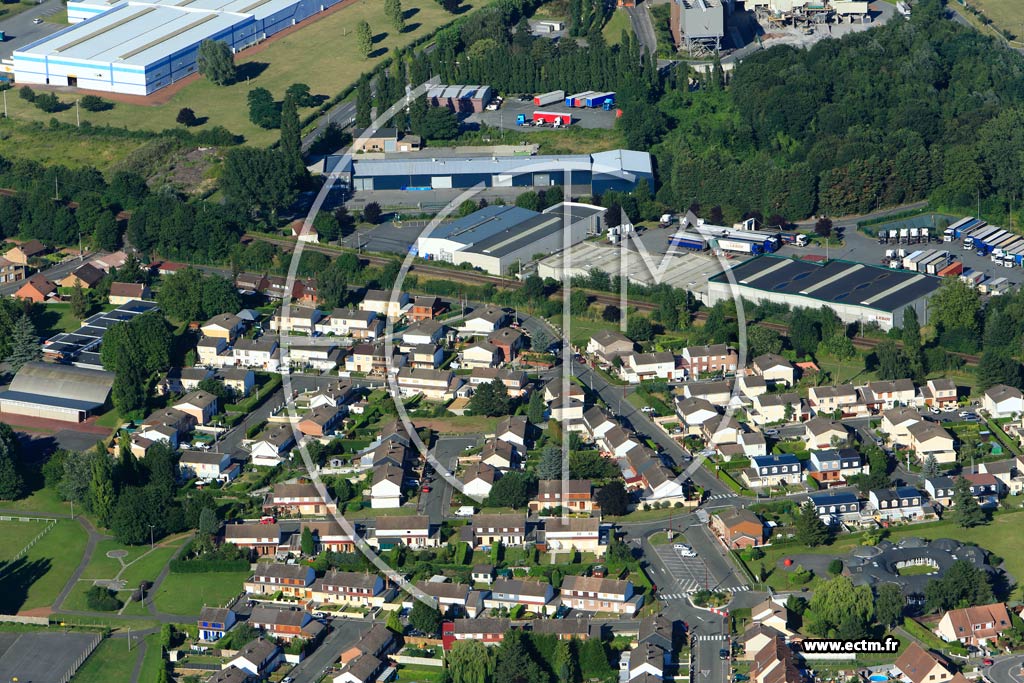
<point x="41" y="574"/>
<point x="40" y="501"/>
<point x="582" y="329"/>
<point x="421" y="674"/>
<point x="187" y="594"/>
<point x="110" y="661"/>
<point x="16" y="535"/>
<point x="322" y="53"/>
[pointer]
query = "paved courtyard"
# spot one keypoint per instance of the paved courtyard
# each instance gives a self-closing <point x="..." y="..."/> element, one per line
<point x="691" y="574"/>
<point x="42" y="656"/>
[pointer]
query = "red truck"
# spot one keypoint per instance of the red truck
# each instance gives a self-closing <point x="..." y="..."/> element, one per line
<point x="552" y="118"/>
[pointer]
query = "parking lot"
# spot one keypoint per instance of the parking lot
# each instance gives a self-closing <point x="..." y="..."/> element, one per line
<point x="691" y="574"/>
<point x="505" y="117"/>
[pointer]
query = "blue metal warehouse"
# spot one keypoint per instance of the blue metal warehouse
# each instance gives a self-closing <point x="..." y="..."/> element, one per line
<point x="137" y="48"/>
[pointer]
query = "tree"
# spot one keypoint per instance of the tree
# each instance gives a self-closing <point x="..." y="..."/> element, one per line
<point x="804" y="332"/>
<point x="838" y="346"/>
<point x="594" y="659"/>
<point x="291" y="137"/>
<point x="217" y="388"/>
<point x="514" y="663"/>
<point x="186" y="117"/>
<point x="613" y="499"/>
<point x="26" y="93"/>
<point x="371" y="213"/>
<point x="835" y="567"/>
<point x="79" y="302"/>
<point x="566" y="664"/>
<point x="550" y="465"/>
<point x="535" y="408"/>
<point x="966" y="512"/>
<point x="579" y="302"/>
<point x="394" y="13"/>
<point x="24" y="344"/>
<point x="364" y="102"/>
<point x="930" y="468"/>
<point x="891" y="362"/>
<point x="611" y="313"/>
<point x="263" y="179"/>
<point x="810" y="530"/>
<point x="889" y="604"/>
<point x="963" y="585"/>
<point x="956" y="305"/>
<point x="823" y="227"/>
<point x="216" y="62"/>
<point x="208" y="522"/>
<point x="639" y="328"/>
<point x="364" y="39"/>
<point x="762" y="340"/>
<point x="12" y="486"/>
<point x="94" y="103"/>
<point x="307" y="543"/>
<point x="837" y="600"/>
<point x="997" y="366"/>
<point x="512" y="491"/>
<point x="263" y="110"/>
<point x="470" y="661"/>
<point x="394" y="622"/>
<point x="48" y="102"/>
<point x="425" y="618"/>
<point x="490" y="399"/>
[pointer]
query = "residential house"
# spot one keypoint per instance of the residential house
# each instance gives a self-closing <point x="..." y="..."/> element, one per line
<point x="292" y="580"/>
<point x="694" y="412"/>
<point x="768" y="409"/>
<point x="488" y="631"/>
<point x="478" y="480"/>
<point x="507" y="340"/>
<point x="833" y="466"/>
<point x="646" y="663"/>
<point x="413" y="531"/>
<point x="567" y="410"/>
<point x="270" y="446"/>
<point x="290" y="500"/>
<point x="596" y="422"/>
<point x="214" y="622"/>
<point x="296" y="319"/>
<point x="351" y="323"/>
<point x="553" y="390"/>
<point x="423" y="332"/>
<point x="940" y="489"/>
<point x="1007" y="472"/>
<point x="362" y="669"/>
<point x="593" y="594"/>
<point x="386" y="490"/>
<point x="660" y="483"/>
<point x="426" y="308"/>
<point x="755" y="638"/>
<point x="822" y="433"/>
<point x="230" y="675"/>
<point x="618" y="442"/>
<point x="888" y="394"/>
<point x="657" y="630"/>
<point x="751" y="385"/>
<point x="320" y="421"/>
<point x="85" y="276"/>
<point x="902" y="502"/>
<point x="262" y="353"/>
<point x="371" y="359"/>
<point x="383" y="303"/>
<point x="773" y="470"/>
<point x="843" y="398"/>
<point x="836" y="507"/>
<point x="285" y="624"/>
<point x="513" y="430"/>
<point x="738" y="528"/>
<point x="939" y="393"/>
<point x="607" y="345"/>
<point x="484" y="320"/>
<point x="499" y="455"/>
<point x="507" y="528"/>
<point x="701" y="361"/>
<point x="435" y="385"/>
<point x="638" y="367"/>
<point x="258" y="658"/>
<point x="184" y="380"/>
<point x="984" y="487"/>
<point x="379" y="641"/>
<point x="36" y="289"/>
<point x="123" y="292"/>
<point x="772" y="614"/>
<point x="226" y="326"/>
<point x="260" y="539"/>
<point x="200" y="405"/>
<point x="22" y="253"/>
<point x="582" y="533"/>
<point x="426" y="356"/>
<point x="774" y="368"/>
<point x="483" y="573"/>
<point x="334" y="395"/>
<point x="348" y="588"/>
<point x="718" y="393"/>
<point x="571" y="495"/>
<point x="1002" y="401"/>
<point x="320" y="356"/>
<point x="207" y="466"/>
<point x="515" y="381"/>
<point x="562" y="629"/>
<point x="974" y="626"/>
<point x="211" y="351"/>
<point x="753" y="444"/>
<point x="896" y="423"/>
<point x="180" y="422"/>
<point x="534" y="595"/>
<point x="776" y="663"/>
<point x="929" y="439"/>
<point x="327" y="535"/>
<point x="480" y="355"/>
<point x="917" y="665"/>
<point x="255" y="283"/>
<point x="452" y="598"/>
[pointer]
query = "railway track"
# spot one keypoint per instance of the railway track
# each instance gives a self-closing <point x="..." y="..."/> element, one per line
<point x="603" y="298"/>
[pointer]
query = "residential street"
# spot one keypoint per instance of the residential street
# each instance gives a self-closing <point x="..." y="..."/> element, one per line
<point x="437" y="503"/>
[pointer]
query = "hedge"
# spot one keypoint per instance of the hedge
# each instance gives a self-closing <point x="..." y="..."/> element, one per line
<point x="204" y="566"/>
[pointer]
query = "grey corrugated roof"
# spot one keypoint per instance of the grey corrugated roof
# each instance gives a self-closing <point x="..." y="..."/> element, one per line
<point x="607" y="163"/>
<point x="63" y="382"/>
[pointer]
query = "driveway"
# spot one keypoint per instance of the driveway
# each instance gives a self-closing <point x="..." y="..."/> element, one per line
<point x="344" y="633"/>
<point x="21" y="31"/>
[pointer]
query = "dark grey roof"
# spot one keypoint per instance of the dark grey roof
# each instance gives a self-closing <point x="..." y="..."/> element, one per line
<point x="839" y="282"/>
<point x="55" y="384"/>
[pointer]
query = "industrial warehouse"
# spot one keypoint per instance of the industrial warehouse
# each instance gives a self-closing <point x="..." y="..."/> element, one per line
<point x="56" y="392"/>
<point x="857" y="292"/>
<point x="580" y="174"/>
<point x="498" y="238"/>
<point x="137" y="48"/>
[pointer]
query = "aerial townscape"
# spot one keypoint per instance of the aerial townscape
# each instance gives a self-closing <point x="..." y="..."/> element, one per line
<point x="511" y="341"/>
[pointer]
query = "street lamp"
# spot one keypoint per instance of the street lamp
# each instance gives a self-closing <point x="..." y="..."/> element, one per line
<point x="151" y="527"/>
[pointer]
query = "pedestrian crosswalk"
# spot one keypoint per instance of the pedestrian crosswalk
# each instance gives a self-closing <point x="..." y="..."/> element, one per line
<point x="710" y="636"/>
<point x="720" y="496"/>
<point x="690" y="587"/>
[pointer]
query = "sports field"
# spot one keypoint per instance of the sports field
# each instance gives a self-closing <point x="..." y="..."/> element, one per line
<point x="322" y="54"/>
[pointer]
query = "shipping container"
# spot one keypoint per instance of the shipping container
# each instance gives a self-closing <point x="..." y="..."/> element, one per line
<point x="910" y="259"/>
<point x="966" y="225"/>
<point x="600" y="99"/>
<point x="549" y="98"/>
<point x="578" y="99"/>
<point x="554" y="118"/>
<point x="689" y="240"/>
<point x="973" y="277"/>
<point x="953" y="269"/>
<point x="933" y="265"/>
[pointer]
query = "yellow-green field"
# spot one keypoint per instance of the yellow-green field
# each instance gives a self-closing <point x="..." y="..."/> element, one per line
<point x="1005" y="15"/>
<point x="618" y="23"/>
<point x="28" y="141"/>
<point x="323" y="54"/>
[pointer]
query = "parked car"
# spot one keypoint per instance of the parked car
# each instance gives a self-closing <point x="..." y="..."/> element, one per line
<point x="723" y="654"/>
<point x="37" y="20"/>
<point x="680" y="546"/>
<point x="987" y="661"/>
<point x="687" y="553"/>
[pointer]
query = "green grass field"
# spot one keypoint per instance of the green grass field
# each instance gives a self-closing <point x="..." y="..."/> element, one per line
<point x="618" y="23"/>
<point x="16" y="535"/>
<point x="581" y="329"/>
<point x="1005" y="14"/>
<point x="21" y="139"/>
<point x="110" y="661"/>
<point x="36" y="579"/>
<point x="323" y="54"/>
<point x="186" y="594"/>
<point x="41" y="501"/>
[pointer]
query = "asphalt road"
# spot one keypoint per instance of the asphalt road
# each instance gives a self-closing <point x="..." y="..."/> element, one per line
<point x="1006" y="670"/>
<point x="640" y="18"/>
<point x="21" y="31"/>
<point x="437" y="503"/>
<point x="344" y="633"/>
